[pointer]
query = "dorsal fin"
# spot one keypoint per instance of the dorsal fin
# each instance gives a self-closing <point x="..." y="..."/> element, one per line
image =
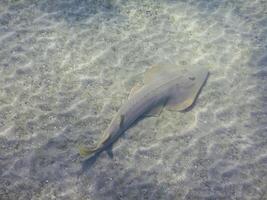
<point x="183" y="101"/>
<point x="135" y="89"/>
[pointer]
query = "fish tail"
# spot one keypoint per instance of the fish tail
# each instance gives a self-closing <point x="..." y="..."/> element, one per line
<point x="87" y="151"/>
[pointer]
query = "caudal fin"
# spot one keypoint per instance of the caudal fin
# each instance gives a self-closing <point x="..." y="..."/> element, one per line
<point x="86" y="151"/>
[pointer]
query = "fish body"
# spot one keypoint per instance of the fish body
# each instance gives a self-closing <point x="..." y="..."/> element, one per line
<point x="178" y="91"/>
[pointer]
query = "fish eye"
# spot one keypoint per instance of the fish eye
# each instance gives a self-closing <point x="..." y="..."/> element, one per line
<point x="191" y="78"/>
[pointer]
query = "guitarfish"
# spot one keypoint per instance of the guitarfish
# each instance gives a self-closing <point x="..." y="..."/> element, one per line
<point x="163" y="87"/>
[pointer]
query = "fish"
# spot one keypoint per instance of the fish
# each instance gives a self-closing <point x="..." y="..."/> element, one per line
<point x="165" y="86"/>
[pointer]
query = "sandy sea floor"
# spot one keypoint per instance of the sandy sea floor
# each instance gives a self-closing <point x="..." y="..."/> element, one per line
<point x="66" y="66"/>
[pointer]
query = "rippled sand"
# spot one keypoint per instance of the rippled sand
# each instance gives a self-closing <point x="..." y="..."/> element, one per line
<point x="67" y="66"/>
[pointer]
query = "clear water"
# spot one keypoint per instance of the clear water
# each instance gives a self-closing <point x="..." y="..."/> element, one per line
<point x="66" y="66"/>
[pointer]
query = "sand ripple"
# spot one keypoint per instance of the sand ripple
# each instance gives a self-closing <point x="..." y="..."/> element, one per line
<point x="66" y="67"/>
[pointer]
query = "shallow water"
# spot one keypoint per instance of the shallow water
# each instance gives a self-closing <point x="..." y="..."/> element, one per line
<point x="67" y="66"/>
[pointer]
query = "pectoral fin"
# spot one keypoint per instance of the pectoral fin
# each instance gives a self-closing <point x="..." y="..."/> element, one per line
<point x="184" y="96"/>
<point x="186" y="86"/>
<point x="122" y="117"/>
<point x="174" y="105"/>
<point x="158" y="73"/>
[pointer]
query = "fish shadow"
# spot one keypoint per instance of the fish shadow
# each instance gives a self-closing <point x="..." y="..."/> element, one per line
<point x="89" y="162"/>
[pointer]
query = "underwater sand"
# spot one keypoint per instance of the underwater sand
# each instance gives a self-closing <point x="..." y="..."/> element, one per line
<point x="67" y="66"/>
